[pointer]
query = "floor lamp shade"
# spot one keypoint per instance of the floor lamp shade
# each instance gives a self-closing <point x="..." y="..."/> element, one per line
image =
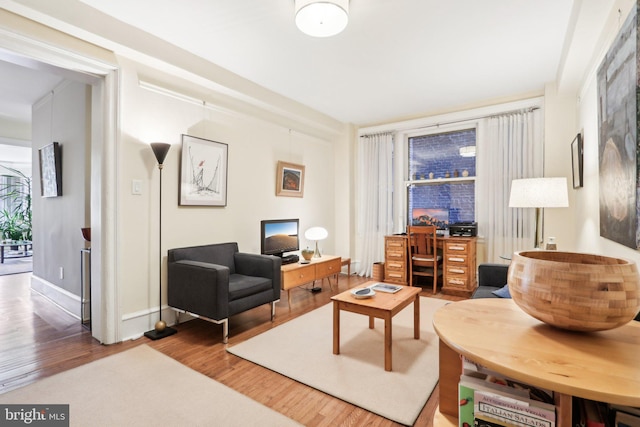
<point x="539" y="193"/>
<point x="160" y="150"/>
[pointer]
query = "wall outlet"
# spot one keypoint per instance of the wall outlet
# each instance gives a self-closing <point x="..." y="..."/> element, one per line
<point x="61" y="272"/>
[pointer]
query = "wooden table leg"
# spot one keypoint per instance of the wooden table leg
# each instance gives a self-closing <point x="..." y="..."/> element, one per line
<point x="387" y="343"/>
<point x="372" y="321"/>
<point x="336" y="327"/>
<point x="416" y="317"/>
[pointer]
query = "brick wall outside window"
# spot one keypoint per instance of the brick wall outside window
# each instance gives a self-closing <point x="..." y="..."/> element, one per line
<point x="437" y="156"/>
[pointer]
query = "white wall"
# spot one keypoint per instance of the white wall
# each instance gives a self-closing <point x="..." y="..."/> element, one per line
<point x="587" y="211"/>
<point x="254" y="147"/>
<point x="61" y="116"/>
<point x="583" y="221"/>
<point x="560" y="129"/>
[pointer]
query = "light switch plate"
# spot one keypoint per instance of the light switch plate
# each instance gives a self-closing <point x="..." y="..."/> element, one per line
<point x="136" y="187"/>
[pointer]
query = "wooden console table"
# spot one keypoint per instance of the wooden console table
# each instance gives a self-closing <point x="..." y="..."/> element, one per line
<point x="297" y="274"/>
<point x="459" y="266"/>
<point x="496" y="333"/>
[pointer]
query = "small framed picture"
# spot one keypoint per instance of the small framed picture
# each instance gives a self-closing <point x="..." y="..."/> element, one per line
<point x="577" y="161"/>
<point x="203" y="172"/>
<point x="50" y="170"/>
<point x="290" y="180"/>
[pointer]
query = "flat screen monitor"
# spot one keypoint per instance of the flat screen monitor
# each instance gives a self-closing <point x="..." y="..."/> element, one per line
<point x="278" y="236"/>
<point x="431" y="216"/>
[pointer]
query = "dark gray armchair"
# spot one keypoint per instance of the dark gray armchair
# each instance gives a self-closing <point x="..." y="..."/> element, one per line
<point x="491" y="277"/>
<point x="216" y="281"/>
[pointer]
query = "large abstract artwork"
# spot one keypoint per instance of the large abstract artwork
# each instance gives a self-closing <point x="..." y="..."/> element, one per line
<point x="203" y="172"/>
<point x="618" y="137"/>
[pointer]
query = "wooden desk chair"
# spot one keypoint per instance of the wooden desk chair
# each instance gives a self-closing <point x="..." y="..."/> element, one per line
<point x="423" y="254"/>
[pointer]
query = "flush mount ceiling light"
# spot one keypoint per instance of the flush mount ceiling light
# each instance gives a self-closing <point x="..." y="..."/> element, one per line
<point x="322" y="18"/>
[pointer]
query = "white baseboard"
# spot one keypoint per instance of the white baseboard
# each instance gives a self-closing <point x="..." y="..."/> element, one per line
<point x="134" y="325"/>
<point x="60" y="297"/>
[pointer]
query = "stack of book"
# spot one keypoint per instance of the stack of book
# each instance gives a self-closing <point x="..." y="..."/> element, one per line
<point x="488" y="399"/>
<point x="589" y="413"/>
<point x="624" y="416"/>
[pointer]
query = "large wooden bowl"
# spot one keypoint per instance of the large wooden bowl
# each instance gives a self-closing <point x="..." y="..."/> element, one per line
<point x="575" y="291"/>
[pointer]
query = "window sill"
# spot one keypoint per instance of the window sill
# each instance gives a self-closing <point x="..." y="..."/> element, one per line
<point x="436" y="181"/>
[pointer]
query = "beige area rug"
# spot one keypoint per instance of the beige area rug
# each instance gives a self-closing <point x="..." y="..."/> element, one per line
<point x="143" y="387"/>
<point x="302" y="349"/>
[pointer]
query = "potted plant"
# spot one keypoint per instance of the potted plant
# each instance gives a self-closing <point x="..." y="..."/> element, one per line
<point x="15" y="217"/>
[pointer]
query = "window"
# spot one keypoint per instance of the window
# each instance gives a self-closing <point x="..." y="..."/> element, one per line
<point x="442" y="171"/>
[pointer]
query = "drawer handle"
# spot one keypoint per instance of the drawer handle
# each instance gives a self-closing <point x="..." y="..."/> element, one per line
<point x="456" y="270"/>
<point x="456" y="259"/>
<point x="394" y="275"/>
<point x="456" y="282"/>
<point x="457" y="248"/>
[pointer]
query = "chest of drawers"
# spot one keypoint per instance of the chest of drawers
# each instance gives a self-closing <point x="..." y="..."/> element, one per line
<point x="459" y="265"/>
<point x="395" y="260"/>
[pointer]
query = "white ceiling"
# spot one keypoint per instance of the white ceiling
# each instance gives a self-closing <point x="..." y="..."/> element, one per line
<point x="396" y="59"/>
<point x="21" y="87"/>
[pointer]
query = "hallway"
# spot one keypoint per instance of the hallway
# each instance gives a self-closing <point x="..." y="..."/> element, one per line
<point x="38" y="339"/>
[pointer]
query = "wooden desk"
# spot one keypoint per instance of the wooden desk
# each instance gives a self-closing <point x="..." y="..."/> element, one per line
<point x="459" y="266"/>
<point x="297" y="274"/>
<point x="496" y="333"/>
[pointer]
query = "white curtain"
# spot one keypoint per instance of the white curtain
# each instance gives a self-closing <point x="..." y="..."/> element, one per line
<point x="511" y="148"/>
<point x="375" y="198"/>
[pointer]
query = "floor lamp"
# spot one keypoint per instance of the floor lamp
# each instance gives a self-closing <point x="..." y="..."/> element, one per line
<point x="160" y="149"/>
<point x="539" y="193"/>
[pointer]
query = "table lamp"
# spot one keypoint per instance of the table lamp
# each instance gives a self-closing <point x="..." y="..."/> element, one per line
<point x="539" y="193"/>
<point x="316" y="233"/>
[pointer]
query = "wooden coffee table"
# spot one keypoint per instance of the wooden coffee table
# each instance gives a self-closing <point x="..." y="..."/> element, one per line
<point x="383" y="306"/>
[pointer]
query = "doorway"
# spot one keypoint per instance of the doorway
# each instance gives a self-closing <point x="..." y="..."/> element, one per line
<point x="101" y="81"/>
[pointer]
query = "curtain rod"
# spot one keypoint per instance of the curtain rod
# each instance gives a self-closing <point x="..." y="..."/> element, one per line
<point x="387" y="132"/>
<point x="486" y="116"/>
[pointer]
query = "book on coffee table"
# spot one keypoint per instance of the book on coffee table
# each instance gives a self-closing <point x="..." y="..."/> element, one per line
<point x="385" y="287"/>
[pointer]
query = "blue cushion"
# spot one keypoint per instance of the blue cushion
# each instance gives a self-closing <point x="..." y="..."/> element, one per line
<point x="503" y="292"/>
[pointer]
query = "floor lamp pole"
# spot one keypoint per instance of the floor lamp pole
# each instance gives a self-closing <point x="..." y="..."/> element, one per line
<point x="160" y="248"/>
<point x="161" y="329"/>
<point x="538" y="237"/>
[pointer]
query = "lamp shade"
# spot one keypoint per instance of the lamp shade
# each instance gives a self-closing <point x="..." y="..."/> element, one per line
<point x="539" y="193"/>
<point x="160" y="149"/>
<point x="316" y="233"/>
<point x="322" y="18"/>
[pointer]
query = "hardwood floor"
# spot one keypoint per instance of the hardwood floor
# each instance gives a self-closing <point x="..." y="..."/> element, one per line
<point x="38" y="340"/>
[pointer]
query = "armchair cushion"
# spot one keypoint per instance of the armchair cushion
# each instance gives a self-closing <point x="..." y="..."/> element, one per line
<point x="241" y="286"/>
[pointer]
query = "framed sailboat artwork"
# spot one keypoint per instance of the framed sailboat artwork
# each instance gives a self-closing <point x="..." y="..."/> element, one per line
<point x="203" y="172"/>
